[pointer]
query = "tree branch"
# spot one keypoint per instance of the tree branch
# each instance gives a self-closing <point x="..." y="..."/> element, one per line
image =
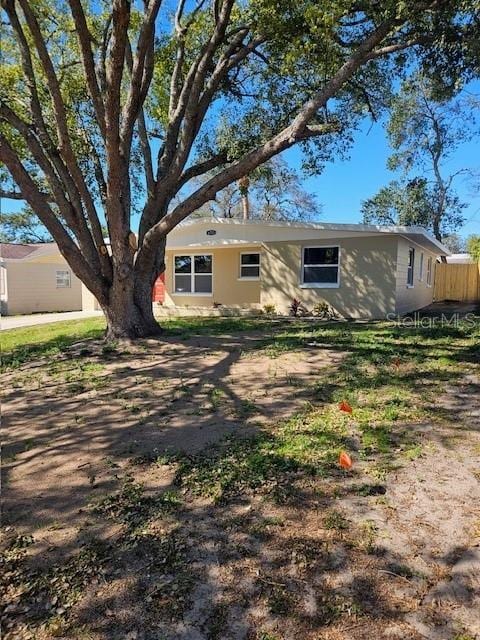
<point x="141" y="74"/>
<point x="39" y="204"/>
<point x="143" y="135"/>
<point x="12" y="195"/>
<point x="118" y="187"/>
<point x="291" y="134"/>
<point x="84" y="39"/>
<point x="63" y="133"/>
<point x="201" y="168"/>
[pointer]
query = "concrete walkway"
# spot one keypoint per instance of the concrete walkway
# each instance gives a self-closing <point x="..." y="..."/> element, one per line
<point x="14" y="322"/>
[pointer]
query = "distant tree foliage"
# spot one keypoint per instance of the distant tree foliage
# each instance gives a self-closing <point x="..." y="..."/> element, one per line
<point x="473" y="247"/>
<point x="414" y="202"/>
<point x="455" y="243"/>
<point x="424" y="129"/>
<point x="22" y="227"/>
<point x="275" y="193"/>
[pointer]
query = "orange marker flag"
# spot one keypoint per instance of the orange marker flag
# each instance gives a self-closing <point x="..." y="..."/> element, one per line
<point x="344" y="406"/>
<point x="345" y="461"/>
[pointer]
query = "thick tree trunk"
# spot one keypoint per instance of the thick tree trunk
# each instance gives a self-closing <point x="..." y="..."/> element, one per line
<point x="129" y="312"/>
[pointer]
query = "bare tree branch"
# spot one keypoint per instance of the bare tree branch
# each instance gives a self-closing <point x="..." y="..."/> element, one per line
<point x="143" y="135"/>
<point x="142" y="70"/>
<point x="64" y="136"/>
<point x="201" y="168"/>
<point x="39" y="204"/>
<point x="84" y="39"/>
<point x="12" y="195"/>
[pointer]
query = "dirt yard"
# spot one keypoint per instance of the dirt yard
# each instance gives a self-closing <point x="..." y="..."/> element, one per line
<point x="189" y="489"/>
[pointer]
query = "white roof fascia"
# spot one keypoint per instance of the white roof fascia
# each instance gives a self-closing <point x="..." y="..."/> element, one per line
<point x="413" y="233"/>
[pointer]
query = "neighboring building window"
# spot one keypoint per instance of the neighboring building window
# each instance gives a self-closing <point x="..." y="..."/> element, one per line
<point x="193" y="274"/>
<point x="411" y="266"/>
<point x="250" y="265"/>
<point x="420" y="275"/>
<point x="429" y="271"/>
<point x="63" y="279"/>
<point x="321" y="266"/>
<point x="3" y="277"/>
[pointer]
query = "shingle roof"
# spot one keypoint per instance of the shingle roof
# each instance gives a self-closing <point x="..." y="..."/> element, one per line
<point x="14" y="251"/>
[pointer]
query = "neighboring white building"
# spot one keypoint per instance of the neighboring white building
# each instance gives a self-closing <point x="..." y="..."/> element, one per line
<point x="36" y="278"/>
<point x="460" y="258"/>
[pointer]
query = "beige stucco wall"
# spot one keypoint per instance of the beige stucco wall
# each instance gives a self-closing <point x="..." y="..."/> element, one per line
<point x="367" y="277"/>
<point x="31" y="288"/>
<point x="420" y="295"/>
<point x="228" y="288"/>
<point x="89" y="302"/>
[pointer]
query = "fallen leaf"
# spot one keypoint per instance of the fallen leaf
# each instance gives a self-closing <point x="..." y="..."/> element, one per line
<point x="344" y="406"/>
<point x="344" y="460"/>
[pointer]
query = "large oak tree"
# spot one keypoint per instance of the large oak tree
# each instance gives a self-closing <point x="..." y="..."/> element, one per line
<point x="114" y="109"/>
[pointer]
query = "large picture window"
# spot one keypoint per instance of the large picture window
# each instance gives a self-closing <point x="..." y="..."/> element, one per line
<point x="193" y="274"/>
<point x="321" y="266"/>
<point x="250" y="266"/>
<point x="411" y="266"/>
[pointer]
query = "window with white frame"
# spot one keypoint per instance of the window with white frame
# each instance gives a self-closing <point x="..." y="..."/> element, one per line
<point x="411" y="266"/>
<point x="429" y="271"/>
<point x="420" y="274"/>
<point x="193" y="274"/>
<point x="63" y="279"/>
<point x="321" y="266"/>
<point x="249" y="266"/>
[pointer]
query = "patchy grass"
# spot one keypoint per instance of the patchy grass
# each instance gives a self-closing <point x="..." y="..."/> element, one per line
<point x="47" y="340"/>
<point x="309" y="443"/>
<point x="131" y="507"/>
<point x="263" y="521"/>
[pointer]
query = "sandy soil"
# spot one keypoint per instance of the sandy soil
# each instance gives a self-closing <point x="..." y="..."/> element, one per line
<point x="409" y="558"/>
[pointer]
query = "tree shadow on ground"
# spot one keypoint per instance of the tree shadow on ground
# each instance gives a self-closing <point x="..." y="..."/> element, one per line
<point x="204" y="540"/>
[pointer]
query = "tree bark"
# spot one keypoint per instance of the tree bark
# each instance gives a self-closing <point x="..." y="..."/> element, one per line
<point x="129" y="314"/>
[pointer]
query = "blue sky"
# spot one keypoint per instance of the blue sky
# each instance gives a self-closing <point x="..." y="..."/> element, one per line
<point x="343" y="185"/>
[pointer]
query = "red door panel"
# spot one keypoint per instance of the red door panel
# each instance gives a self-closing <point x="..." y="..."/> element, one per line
<point x="158" y="291"/>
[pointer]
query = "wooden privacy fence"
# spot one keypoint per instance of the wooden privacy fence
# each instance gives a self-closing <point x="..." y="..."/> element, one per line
<point x="457" y="282"/>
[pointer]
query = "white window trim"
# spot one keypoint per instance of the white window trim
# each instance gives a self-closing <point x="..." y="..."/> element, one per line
<point x="250" y="278"/>
<point x="192" y="275"/>
<point x="412" y="284"/>
<point x="66" y="286"/>
<point x="422" y="259"/>
<point x="429" y="271"/>
<point x="320" y="285"/>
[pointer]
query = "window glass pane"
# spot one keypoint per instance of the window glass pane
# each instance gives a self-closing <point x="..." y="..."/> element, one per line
<point x="250" y="258"/>
<point x="411" y="257"/>
<point x="250" y="272"/>
<point x="203" y="284"/>
<point x="183" y="264"/>
<point x="183" y="284"/>
<point x="320" y="275"/>
<point x="320" y="255"/>
<point x="203" y="264"/>
<point x="63" y="279"/>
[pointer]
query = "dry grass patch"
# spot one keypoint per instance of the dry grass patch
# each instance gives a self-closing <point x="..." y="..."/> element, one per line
<point x="188" y="488"/>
